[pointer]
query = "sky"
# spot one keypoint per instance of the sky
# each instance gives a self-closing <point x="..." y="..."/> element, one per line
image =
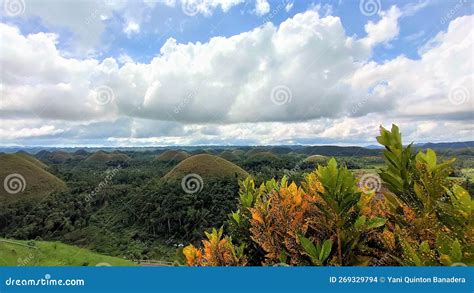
<point x="234" y="72"/>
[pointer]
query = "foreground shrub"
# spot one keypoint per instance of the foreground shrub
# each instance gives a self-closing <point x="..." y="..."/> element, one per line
<point x="419" y="218"/>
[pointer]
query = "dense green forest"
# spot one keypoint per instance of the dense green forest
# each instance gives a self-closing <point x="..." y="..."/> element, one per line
<point x="135" y="204"/>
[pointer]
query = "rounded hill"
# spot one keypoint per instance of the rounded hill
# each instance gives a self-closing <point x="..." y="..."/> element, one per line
<point x="262" y="157"/>
<point x="32" y="159"/>
<point x="60" y="156"/>
<point x="238" y="152"/>
<point x="206" y="166"/>
<point x="316" y="159"/>
<point x="254" y="151"/>
<point x="229" y="156"/>
<point x="172" y="156"/>
<point x="24" y="178"/>
<point x="103" y="157"/>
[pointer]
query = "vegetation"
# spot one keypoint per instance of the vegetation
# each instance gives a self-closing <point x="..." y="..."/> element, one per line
<point x="206" y="166"/>
<point x="103" y="157"/>
<point x="229" y="156"/>
<point x="172" y="156"/>
<point x="331" y="219"/>
<point x="43" y="253"/>
<point x="137" y="208"/>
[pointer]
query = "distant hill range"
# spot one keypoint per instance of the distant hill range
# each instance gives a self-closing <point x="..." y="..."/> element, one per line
<point x="325" y="150"/>
<point x="447" y="145"/>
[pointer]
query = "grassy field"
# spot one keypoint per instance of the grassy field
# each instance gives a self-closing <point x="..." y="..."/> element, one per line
<point x="43" y="253"/>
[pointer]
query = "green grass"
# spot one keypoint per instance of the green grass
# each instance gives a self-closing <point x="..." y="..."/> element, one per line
<point x="24" y="253"/>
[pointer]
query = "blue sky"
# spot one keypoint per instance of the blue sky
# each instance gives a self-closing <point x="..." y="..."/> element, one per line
<point x="163" y="22"/>
<point x="201" y="71"/>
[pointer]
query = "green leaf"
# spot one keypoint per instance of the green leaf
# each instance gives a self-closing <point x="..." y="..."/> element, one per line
<point x="360" y="222"/>
<point x="325" y="250"/>
<point x="424" y="247"/>
<point x="375" y="223"/>
<point x="309" y="247"/>
<point x="283" y="256"/>
<point x="443" y="244"/>
<point x="456" y="253"/>
<point x="461" y="199"/>
<point x="236" y="216"/>
<point x="246" y="199"/>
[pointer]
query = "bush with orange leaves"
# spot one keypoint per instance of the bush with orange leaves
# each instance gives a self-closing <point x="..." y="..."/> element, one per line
<point x="278" y="221"/>
<point x="217" y="251"/>
<point x="420" y="217"/>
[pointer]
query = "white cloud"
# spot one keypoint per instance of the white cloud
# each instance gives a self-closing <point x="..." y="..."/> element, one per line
<point x="207" y="7"/>
<point x="262" y="7"/>
<point x="131" y="28"/>
<point x="221" y="90"/>
<point x="386" y="29"/>
<point x="288" y="6"/>
<point x="85" y="19"/>
<point x="411" y="9"/>
<point x="124" y="58"/>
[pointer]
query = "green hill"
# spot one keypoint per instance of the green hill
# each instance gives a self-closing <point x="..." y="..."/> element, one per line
<point x="206" y="166"/>
<point x="44" y="253"/>
<point x="103" y="157"/>
<point x="238" y="153"/>
<point x="60" y="156"/>
<point x="172" y="156"/>
<point x="229" y="156"/>
<point x="255" y="150"/>
<point x="81" y="152"/>
<point x="32" y="159"/>
<point x="25" y="179"/>
<point x="316" y="159"/>
<point x="262" y="157"/>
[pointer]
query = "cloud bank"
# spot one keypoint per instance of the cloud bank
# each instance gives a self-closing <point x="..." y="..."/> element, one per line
<point x="302" y="79"/>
